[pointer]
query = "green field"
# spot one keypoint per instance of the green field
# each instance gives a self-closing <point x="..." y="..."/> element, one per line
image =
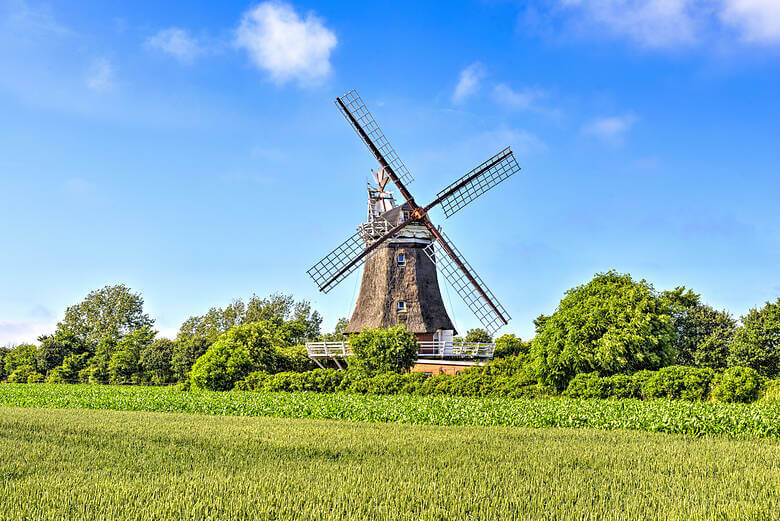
<point x="87" y="464"/>
<point x="738" y="421"/>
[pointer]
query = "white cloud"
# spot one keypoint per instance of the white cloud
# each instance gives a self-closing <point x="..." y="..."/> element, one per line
<point x="285" y="45"/>
<point x="524" y="99"/>
<point x="651" y="23"/>
<point x="100" y="76"/>
<point x="175" y="42"/>
<point x="757" y="20"/>
<point x="675" y="23"/>
<point x="24" y="331"/>
<point x="468" y="82"/>
<point x="610" y="129"/>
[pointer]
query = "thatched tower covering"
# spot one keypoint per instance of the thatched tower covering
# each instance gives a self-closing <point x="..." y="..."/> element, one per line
<point x="400" y="286"/>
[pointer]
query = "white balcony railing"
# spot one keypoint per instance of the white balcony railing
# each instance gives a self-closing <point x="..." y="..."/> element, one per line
<point x="431" y="349"/>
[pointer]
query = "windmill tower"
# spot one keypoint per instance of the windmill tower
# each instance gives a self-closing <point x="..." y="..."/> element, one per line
<point x="399" y="285"/>
<point x="401" y="248"/>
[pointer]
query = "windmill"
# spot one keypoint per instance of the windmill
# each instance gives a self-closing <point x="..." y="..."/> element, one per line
<point x="403" y="250"/>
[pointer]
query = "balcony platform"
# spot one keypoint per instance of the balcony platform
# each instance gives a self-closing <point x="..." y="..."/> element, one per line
<point x="430" y="353"/>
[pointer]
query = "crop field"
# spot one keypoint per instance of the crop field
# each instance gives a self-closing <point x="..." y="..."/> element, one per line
<point x="95" y="464"/>
<point x="738" y="421"/>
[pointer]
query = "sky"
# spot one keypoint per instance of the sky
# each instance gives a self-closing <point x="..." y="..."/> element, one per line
<point x="192" y="150"/>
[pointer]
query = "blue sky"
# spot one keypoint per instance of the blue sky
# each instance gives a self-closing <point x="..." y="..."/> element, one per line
<point x="193" y="152"/>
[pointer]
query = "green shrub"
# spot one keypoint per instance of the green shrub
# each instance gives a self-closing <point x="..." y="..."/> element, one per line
<point x="380" y="350"/>
<point x="737" y="384"/>
<point x="293" y="358"/>
<point x="680" y="383"/>
<point x="587" y="385"/>
<point x="238" y="352"/>
<point x="317" y="380"/>
<point x="35" y="378"/>
<point x="21" y="356"/>
<point x="70" y="370"/>
<point x="20" y="374"/>
<point x="771" y="392"/>
<point x="509" y="345"/>
<point x="625" y="386"/>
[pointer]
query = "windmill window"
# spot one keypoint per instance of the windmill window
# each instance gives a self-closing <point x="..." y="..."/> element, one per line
<point x="401" y="305"/>
<point x="401" y="259"/>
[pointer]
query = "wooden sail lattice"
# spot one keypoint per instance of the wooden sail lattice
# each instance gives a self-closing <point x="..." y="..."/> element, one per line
<point x="490" y="318"/>
<point x="329" y="271"/>
<point x="478" y="181"/>
<point x="353" y="104"/>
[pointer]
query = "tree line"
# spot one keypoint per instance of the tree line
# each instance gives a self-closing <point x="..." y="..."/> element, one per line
<point x="611" y="325"/>
<point x="109" y="338"/>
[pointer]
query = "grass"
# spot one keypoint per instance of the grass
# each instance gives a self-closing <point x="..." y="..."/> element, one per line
<point x="738" y="421"/>
<point x="88" y="464"/>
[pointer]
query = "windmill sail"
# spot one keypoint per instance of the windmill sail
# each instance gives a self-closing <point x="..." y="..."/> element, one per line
<point x="478" y="181"/>
<point x="467" y="284"/>
<point x="356" y="113"/>
<point x="335" y="266"/>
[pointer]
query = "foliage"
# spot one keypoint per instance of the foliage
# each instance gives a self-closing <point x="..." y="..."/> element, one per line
<point x="757" y="342"/>
<point x="292" y="358"/>
<point x="477" y="336"/>
<point x="771" y="393"/>
<point x="671" y="416"/>
<point x="509" y="345"/>
<point x="69" y="371"/>
<point x="54" y="348"/>
<point x="185" y="352"/>
<point x="296" y="321"/>
<point x="4" y="350"/>
<point x="612" y="324"/>
<point x="737" y="384"/>
<point x="319" y="380"/>
<point x="155" y="360"/>
<point x="23" y="355"/>
<point x="383" y="350"/>
<point x="124" y="365"/>
<point x="680" y="383"/>
<point x="702" y="334"/>
<point x="35" y="378"/>
<point x="234" y="355"/>
<point x="338" y="332"/>
<point x="108" y="313"/>
<point x="21" y="374"/>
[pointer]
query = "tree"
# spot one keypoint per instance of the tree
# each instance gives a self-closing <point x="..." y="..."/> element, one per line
<point x="757" y="342"/>
<point x="703" y="335"/>
<point x="295" y="322"/>
<point x="54" y="348"/>
<point x="477" y="336"/>
<point x="380" y="350"/>
<point x="338" y="332"/>
<point x="22" y="356"/>
<point x="612" y="324"/>
<point x="185" y="353"/>
<point x="124" y="363"/>
<point x="4" y="350"/>
<point x="108" y="313"/>
<point x="155" y="361"/>
<point x="509" y="345"/>
<point x="238" y="352"/>
<point x="69" y="371"/>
